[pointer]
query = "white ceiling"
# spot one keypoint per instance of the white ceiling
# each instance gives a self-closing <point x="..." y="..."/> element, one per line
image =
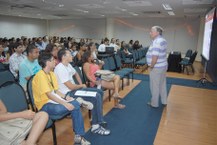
<point x="69" y="9"/>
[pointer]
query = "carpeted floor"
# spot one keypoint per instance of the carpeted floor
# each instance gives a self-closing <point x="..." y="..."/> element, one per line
<point x="177" y="81"/>
<point x="135" y="125"/>
<point x="138" y="123"/>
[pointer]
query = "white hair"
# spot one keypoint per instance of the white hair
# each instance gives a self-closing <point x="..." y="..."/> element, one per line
<point x="158" y="29"/>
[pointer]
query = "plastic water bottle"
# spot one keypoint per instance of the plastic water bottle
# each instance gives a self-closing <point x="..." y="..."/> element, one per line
<point x="98" y="83"/>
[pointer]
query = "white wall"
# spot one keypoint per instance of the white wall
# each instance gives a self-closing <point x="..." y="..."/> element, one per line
<point x="78" y="28"/>
<point x="180" y="33"/>
<point x="17" y="27"/>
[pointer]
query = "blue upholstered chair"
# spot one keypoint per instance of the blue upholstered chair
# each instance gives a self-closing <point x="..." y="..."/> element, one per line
<point x="6" y="75"/>
<point x="52" y="119"/>
<point x="188" y="62"/>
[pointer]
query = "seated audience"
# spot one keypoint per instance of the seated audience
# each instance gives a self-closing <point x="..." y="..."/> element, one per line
<point x="53" y="49"/>
<point x="101" y="48"/>
<point x="39" y="43"/>
<point x="113" y="44"/>
<point x="65" y="73"/>
<point x="16" y="58"/>
<point x="118" y="45"/>
<point x="92" y="48"/>
<point x="136" y="45"/>
<point x="48" y="98"/>
<point x="78" y="57"/>
<point x="37" y="122"/>
<point x="124" y="48"/>
<point x="73" y="50"/>
<point x="45" y="41"/>
<point x="90" y="69"/>
<point x="3" y="55"/>
<point x="29" y="66"/>
<point x="130" y="44"/>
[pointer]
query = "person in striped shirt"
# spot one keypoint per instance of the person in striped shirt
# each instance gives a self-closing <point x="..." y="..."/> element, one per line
<point x="157" y="62"/>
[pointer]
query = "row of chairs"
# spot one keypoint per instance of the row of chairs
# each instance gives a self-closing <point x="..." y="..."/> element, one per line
<point x="6" y="75"/>
<point x="15" y="98"/>
<point x="188" y="61"/>
<point x="2" y="67"/>
<point x="136" y="59"/>
<point x="85" y="80"/>
<point x="114" y="63"/>
<point x="139" y="57"/>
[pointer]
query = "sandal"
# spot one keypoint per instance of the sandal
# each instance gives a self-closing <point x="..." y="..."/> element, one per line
<point x="116" y="96"/>
<point x="101" y="131"/>
<point x="120" y="106"/>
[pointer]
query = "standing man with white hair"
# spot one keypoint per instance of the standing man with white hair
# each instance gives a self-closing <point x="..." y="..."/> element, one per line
<point x="157" y="61"/>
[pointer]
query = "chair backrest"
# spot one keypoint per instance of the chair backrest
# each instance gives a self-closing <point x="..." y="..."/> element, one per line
<point x="111" y="63"/>
<point x="123" y="55"/>
<point x="145" y="50"/>
<point x="5" y="76"/>
<point x="30" y="93"/>
<point x="78" y="70"/>
<point x="86" y="80"/>
<point x="2" y="67"/>
<point x="118" y="61"/>
<point x="188" y="53"/>
<point x="109" y="50"/>
<point x="13" y="96"/>
<point x="192" y="57"/>
<point x="140" y="53"/>
<point x="106" y="64"/>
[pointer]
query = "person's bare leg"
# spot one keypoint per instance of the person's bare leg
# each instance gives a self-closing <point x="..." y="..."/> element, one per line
<point x="114" y="85"/>
<point x="39" y="123"/>
<point x="116" y="95"/>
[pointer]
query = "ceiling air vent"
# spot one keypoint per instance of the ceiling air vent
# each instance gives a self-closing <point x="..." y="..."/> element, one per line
<point x="151" y="12"/>
<point x="60" y="15"/>
<point x="23" y="6"/>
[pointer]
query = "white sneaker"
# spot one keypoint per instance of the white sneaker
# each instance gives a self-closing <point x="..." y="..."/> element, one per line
<point x="85" y="104"/>
<point x="97" y="129"/>
<point x="81" y="140"/>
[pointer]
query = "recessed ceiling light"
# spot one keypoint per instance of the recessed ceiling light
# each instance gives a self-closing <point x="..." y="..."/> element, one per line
<point x="124" y="10"/>
<point x="86" y="12"/>
<point x="134" y="14"/>
<point x="61" y="5"/>
<point x="171" y="13"/>
<point x="167" y="7"/>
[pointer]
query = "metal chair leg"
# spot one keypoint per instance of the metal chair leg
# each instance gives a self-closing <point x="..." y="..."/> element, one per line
<point x="54" y="133"/>
<point x="89" y="114"/>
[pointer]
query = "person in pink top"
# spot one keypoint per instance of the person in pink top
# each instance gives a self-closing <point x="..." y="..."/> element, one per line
<point x="90" y="69"/>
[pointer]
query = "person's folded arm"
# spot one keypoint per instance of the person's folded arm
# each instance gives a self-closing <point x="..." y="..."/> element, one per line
<point x="55" y="99"/>
<point x="78" y="78"/>
<point x="74" y="86"/>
